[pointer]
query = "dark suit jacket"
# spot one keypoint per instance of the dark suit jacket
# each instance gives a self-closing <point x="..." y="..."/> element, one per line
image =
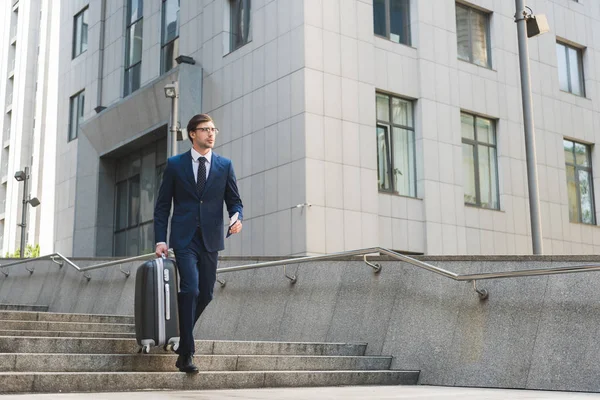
<point x="190" y="210"/>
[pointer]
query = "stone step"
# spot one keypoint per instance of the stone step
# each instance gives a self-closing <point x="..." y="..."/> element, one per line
<point x="65" y="326"/>
<point x="52" y="382"/>
<point x="24" y="344"/>
<point x="23" y="307"/>
<point x="65" y="317"/>
<point x="67" y="334"/>
<point x="166" y="363"/>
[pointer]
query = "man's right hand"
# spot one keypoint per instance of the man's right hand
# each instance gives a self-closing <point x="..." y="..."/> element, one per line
<point x="161" y="249"/>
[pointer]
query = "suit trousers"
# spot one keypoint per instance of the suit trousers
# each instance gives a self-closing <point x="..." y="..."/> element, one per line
<point x="198" y="273"/>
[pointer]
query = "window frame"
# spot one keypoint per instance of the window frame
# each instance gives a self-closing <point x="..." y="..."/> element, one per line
<point x="589" y="170"/>
<point x="579" y="52"/>
<point x="128" y="66"/>
<point x="76" y="52"/>
<point x="476" y="143"/>
<point x="488" y="17"/>
<point x="80" y="107"/>
<point x="388" y="24"/>
<point x="163" y="45"/>
<point x="388" y="126"/>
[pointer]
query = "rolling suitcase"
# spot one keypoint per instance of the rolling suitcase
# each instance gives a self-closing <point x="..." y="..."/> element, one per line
<point x="156" y="316"/>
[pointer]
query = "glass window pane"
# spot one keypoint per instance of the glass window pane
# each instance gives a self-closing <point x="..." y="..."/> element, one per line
<point x="121" y="212"/>
<point x="479" y="36"/>
<point x="246" y="22"/>
<point x="403" y="171"/>
<point x="402" y="112"/>
<point x="563" y="77"/>
<point x="77" y="39"/>
<point x="133" y="78"/>
<point x="147" y="186"/>
<point x="135" y="36"/>
<point x="585" y="195"/>
<point x="134" y="201"/>
<point x="84" y="31"/>
<point x="170" y="53"/>
<point x="488" y="192"/>
<point x="159" y="175"/>
<point x="485" y="131"/>
<point x="574" y="72"/>
<point x="133" y="242"/>
<point x="134" y="10"/>
<point x="581" y="154"/>
<point x="572" y="194"/>
<point x="81" y="104"/>
<point x="469" y="173"/>
<point x="240" y="23"/>
<point x="383" y="159"/>
<point x="147" y="238"/>
<point x="399" y="21"/>
<point x="467" y="126"/>
<point x="383" y="107"/>
<point x="379" y="20"/>
<point x="121" y="244"/>
<point x="568" y="148"/>
<point x="161" y="151"/>
<point x="170" y="20"/>
<point x="73" y="118"/>
<point x="462" y="33"/>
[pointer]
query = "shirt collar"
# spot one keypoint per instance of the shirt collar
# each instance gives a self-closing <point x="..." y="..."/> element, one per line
<point x="196" y="155"/>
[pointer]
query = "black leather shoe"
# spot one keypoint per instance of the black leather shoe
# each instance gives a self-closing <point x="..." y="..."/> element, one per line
<point x="185" y="364"/>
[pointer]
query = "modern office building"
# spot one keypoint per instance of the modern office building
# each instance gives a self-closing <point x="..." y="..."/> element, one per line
<point x="350" y="123"/>
<point x="28" y="99"/>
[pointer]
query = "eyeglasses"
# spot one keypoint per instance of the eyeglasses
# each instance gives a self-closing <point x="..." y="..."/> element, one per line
<point x="208" y="130"/>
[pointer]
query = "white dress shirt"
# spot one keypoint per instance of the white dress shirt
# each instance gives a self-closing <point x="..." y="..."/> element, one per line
<point x="207" y="163"/>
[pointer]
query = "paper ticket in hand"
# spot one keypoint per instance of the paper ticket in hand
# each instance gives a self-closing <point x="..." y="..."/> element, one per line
<point x="232" y="221"/>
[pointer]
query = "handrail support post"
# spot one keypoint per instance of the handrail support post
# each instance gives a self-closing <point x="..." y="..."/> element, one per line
<point x="293" y="278"/>
<point x="376" y="267"/>
<point x="482" y="293"/>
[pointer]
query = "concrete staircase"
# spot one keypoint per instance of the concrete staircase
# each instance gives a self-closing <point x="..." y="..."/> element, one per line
<point x="51" y="352"/>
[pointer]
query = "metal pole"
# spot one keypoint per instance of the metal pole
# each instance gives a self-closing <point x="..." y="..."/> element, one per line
<point x="532" y="177"/>
<point x="24" y="213"/>
<point x="174" y="119"/>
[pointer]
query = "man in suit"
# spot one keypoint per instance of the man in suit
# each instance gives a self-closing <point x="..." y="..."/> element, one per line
<point x="198" y="182"/>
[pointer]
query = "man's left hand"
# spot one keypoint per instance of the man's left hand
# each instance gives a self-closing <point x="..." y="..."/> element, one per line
<point x="236" y="228"/>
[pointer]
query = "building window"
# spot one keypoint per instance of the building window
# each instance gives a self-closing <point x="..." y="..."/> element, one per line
<point x="76" y="114"/>
<point x="138" y="177"/>
<point x="396" y="166"/>
<point x="170" y="34"/>
<point x="239" y="11"/>
<point x="480" y="161"/>
<point x="391" y="20"/>
<point x="473" y="35"/>
<point x="570" y="69"/>
<point x="580" y="188"/>
<point x="133" y="55"/>
<point x="80" y="33"/>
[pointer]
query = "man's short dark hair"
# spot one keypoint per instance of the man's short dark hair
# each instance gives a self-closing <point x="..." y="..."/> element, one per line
<point x="197" y="120"/>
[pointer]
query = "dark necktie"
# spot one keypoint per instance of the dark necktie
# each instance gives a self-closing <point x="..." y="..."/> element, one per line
<point x="201" y="180"/>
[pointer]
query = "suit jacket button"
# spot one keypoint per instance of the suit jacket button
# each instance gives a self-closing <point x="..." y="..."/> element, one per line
<point x="201" y="201"/>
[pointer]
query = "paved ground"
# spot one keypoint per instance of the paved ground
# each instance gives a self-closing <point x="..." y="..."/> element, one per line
<point x="346" y="393"/>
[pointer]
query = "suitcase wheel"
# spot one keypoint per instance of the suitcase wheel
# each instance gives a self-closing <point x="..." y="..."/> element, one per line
<point x="145" y="349"/>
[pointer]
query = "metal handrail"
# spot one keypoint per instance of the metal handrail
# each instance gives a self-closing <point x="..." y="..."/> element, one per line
<point x="54" y="256"/>
<point x="473" y="278"/>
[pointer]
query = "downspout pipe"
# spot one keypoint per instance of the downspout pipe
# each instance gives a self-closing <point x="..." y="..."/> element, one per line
<point x="99" y="107"/>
